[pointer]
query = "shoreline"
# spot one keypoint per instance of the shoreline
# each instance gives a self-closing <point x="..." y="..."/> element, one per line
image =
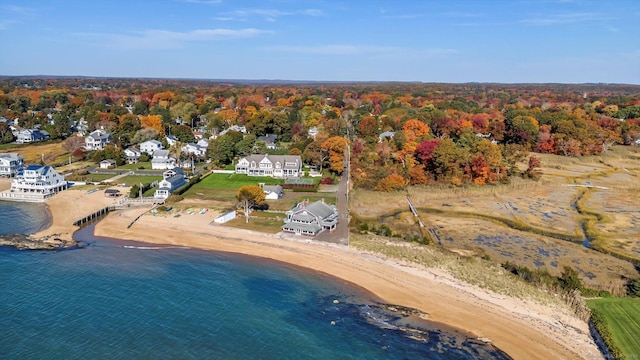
<point x="520" y="328"/>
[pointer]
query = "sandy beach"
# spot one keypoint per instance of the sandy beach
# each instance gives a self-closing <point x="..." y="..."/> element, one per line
<point x="522" y="329"/>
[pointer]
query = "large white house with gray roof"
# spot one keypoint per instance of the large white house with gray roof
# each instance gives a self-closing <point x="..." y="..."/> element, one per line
<point x="35" y="183"/>
<point x="277" y="166"/>
<point x="311" y="219"/>
<point x="97" y="140"/>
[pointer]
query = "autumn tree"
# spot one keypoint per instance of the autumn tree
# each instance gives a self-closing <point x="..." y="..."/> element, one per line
<point x="414" y="129"/>
<point x="391" y="182"/>
<point x="336" y="147"/>
<point x="248" y="197"/>
<point x="152" y="121"/>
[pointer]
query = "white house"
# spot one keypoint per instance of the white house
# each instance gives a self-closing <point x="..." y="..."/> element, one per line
<point x="151" y="146"/>
<point x="132" y="155"/>
<point x="107" y="164"/>
<point x="171" y="180"/>
<point x="272" y="192"/>
<point x="162" y="161"/>
<point x="10" y="163"/>
<point x="311" y="219"/>
<point x="35" y="183"/>
<point x="195" y="149"/>
<point x="270" y="140"/>
<point x="171" y="140"/>
<point x="270" y="165"/>
<point x="387" y="135"/>
<point x="97" y="140"/>
<point x="31" y="135"/>
<point x="313" y="131"/>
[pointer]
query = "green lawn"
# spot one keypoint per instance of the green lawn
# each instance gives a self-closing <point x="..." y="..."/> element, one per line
<point x="144" y="165"/>
<point x="623" y="318"/>
<point x="131" y="180"/>
<point x="223" y="187"/>
<point x="95" y="177"/>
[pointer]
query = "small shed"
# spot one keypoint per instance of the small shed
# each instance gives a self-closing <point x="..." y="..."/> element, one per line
<point x="111" y="193"/>
<point x="107" y="164"/>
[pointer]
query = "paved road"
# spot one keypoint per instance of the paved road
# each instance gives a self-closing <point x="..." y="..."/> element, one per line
<point x="341" y="233"/>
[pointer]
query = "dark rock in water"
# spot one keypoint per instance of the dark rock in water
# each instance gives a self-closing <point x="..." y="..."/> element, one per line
<point x="50" y="242"/>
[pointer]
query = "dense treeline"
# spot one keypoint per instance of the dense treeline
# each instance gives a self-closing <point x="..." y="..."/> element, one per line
<point x="399" y="133"/>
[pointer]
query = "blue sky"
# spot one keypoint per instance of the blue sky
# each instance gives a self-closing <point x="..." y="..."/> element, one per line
<point x="564" y="41"/>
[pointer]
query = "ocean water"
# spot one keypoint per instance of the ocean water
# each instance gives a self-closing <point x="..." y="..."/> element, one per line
<point x="124" y="300"/>
<point x="22" y="218"/>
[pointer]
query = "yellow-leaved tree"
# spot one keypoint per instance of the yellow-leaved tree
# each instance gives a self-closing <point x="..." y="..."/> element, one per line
<point x="249" y="196"/>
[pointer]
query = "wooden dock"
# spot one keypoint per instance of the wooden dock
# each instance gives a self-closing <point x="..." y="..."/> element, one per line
<point x="94" y="215"/>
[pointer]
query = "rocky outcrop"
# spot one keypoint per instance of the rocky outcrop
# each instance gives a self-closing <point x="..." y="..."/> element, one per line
<point x="49" y="242"/>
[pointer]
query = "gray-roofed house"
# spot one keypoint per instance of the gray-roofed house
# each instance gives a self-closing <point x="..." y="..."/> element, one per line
<point x="311" y="219"/>
<point x="10" y="163"/>
<point x="272" y="192"/>
<point x="270" y="140"/>
<point x="97" y="140"/>
<point x="171" y="180"/>
<point x="162" y="161"/>
<point x="132" y="155"/>
<point x="31" y="135"/>
<point x="386" y="135"/>
<point x="278" y="166"/>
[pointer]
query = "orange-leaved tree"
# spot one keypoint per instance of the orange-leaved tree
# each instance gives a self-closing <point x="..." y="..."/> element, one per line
<point x="152" y="121"/>
<point x="336" y="147"/>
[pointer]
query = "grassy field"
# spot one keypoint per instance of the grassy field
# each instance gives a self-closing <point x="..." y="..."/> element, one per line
<point x="623" y="319"/>
<point x="51" y="152"/>
<point x="223" y="187"/>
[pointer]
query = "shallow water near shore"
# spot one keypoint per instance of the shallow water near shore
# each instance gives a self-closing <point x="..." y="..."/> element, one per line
<point x="121" y="300"/>
<point x="22" y="217"/>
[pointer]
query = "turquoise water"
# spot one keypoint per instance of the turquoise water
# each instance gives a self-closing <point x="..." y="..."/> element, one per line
<point x="125" y="300"/>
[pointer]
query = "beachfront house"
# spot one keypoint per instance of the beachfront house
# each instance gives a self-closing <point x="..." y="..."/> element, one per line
<point x="97" y="140"/>
<point x="162" y="161"/>
<point x="277" y="166"/>
<point x="35" y="183"/>
<point x="151" y="146"/>
<point x="132" y="155"/>
<point x="10" y="163"/>
<point x="171" y="180"/>
<point x="311" y="219"/>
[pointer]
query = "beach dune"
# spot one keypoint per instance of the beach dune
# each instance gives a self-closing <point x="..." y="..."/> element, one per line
<point x="523" y="329"/>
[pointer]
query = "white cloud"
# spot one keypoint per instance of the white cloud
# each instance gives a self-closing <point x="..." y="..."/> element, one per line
<point x="566" y="18"/>
<point x="164" y="39"/>
<point x="347" y="50"/>
<point x="269" y="14"/>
